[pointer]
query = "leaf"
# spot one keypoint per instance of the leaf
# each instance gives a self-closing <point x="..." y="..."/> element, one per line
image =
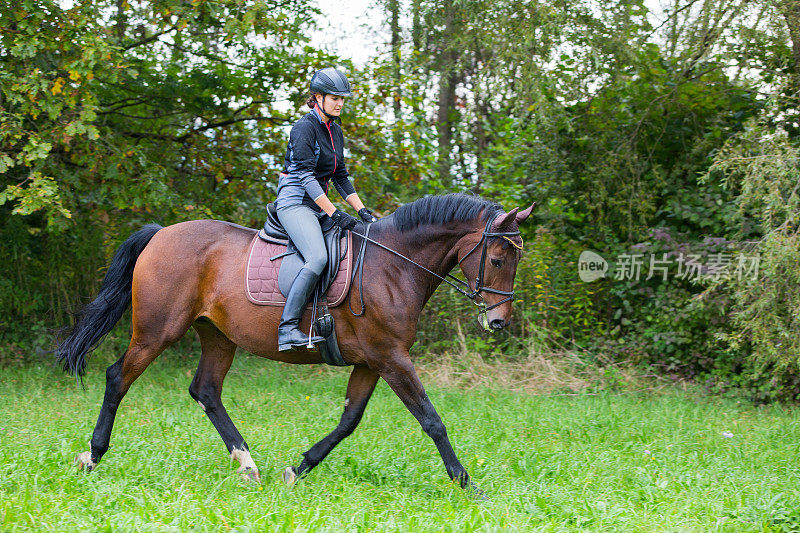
<point x="57" y="85"/>
<point x="5" y="162"/>
<point x="41" y="194"/>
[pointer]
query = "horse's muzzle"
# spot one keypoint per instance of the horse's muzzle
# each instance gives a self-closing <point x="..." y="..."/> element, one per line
<point x="498" y="324"/>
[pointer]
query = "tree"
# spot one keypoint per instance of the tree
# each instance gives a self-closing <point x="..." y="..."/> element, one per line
<point x="114" y="113"/>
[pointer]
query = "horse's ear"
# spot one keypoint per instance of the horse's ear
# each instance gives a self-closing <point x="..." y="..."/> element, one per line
<point x="525" y="214"/>
<point x="505" y="220"/>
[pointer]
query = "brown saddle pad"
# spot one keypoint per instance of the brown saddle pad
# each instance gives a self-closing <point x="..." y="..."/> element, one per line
<point x="261" y="285"/>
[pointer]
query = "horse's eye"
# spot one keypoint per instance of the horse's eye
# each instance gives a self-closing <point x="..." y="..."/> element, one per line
<point x="497" y="262"/>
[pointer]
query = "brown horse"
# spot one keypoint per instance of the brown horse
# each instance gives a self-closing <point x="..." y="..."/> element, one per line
<point x="192" y="274"/>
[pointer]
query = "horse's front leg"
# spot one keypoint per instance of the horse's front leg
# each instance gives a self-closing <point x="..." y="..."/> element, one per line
<point x="359" y="389"/>
<point x="401" y="376"/>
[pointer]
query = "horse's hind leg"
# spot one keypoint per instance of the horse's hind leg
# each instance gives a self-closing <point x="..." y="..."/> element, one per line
<point x="119" y="378"/>
<point x="359" y="389"/>
<point x="206" y="389"/>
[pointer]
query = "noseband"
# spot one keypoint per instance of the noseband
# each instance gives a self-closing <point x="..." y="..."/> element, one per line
<point x="469" y="292"/>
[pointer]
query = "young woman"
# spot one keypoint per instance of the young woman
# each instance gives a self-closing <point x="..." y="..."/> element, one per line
<point x="313" y="158"/>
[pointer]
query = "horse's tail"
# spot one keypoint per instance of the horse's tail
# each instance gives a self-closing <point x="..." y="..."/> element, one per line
<point x="97" y="318"/>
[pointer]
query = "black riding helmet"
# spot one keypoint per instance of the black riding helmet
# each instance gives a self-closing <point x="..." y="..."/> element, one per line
<point x="330" y="81"/>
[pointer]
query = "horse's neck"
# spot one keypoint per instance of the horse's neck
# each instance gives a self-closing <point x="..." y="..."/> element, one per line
<point x="433" y="248"/>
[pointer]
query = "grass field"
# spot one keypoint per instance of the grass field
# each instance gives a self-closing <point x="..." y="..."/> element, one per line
<point x="607" y="462"/>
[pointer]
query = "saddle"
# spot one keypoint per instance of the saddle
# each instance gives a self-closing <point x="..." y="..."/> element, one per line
<point x="273" y="262"/>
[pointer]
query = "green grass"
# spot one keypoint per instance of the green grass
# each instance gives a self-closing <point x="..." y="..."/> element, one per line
<point x="612" y="462"/>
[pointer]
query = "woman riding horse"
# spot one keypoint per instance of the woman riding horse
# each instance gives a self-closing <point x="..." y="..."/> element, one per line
<point x="314" y="156"/>
<point x="191" y="275"/>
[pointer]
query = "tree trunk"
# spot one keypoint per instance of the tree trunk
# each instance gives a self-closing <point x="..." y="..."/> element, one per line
<point x="447" y="95"/>
<point x="414" y="61"/>
<point x="416" y="25"/>
<point x="791" y="11"/>
<point x="482" y="112"/>
<point x="394" y="9"/>
<point x="119" y="27"/>
<point x="444" y="123"/>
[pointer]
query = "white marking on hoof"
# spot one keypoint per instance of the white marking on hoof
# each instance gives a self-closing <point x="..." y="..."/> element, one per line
<point x="203" y="407"/>
<point x="247" y="468"/>
<point x="84" y="460"/>
<point x="346" y="402"/>
<point x="289" y="477"/>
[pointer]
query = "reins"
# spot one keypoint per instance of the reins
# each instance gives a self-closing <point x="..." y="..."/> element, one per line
<point x="471" y="294"/>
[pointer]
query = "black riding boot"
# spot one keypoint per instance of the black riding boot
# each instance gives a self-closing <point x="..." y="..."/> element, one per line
<point x="289" y="334"/>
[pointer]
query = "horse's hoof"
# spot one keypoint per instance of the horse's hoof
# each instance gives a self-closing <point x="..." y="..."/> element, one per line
<point x="476" y="493"/>
<point x="249" y="473"/>
<point x="84" y="461"/>
<point x="247" y="468"/>
<point x="289" y="476"/>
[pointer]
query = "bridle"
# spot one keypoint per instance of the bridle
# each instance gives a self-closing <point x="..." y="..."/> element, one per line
<point x="470" y="293"/>
<point x="479" y="287"/>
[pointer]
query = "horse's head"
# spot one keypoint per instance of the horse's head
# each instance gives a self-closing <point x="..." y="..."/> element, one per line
<point x="489" y="260"/>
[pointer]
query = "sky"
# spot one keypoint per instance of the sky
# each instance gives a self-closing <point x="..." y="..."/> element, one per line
<point x="348" y="28"/>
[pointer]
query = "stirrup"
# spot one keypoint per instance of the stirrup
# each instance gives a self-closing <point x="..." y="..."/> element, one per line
<point x="307" y="342"/>
<point x="294" y="346"/>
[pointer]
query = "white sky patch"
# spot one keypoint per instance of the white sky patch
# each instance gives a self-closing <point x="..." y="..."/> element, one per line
<point x="348" y="28"/>
<point x="351" y="29"/>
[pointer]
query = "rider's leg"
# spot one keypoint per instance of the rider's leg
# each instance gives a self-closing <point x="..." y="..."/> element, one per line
<point x="302" y="225"/>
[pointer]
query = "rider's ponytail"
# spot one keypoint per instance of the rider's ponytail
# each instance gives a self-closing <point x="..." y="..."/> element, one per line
<point x="312" y="101"/>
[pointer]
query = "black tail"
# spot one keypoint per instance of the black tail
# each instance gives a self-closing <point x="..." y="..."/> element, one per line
<point x="96" y="319"/>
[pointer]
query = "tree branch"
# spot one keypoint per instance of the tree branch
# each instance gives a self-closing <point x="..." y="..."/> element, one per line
<point x="673" y="14"/>
<point x="190" y="133"/>
<point x="122" y="104"/>
<point x="150" y="39"/>
<point x="274" y="120"/>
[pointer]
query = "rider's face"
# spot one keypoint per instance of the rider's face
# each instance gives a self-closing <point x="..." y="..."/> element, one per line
<point x="333" y="104"/>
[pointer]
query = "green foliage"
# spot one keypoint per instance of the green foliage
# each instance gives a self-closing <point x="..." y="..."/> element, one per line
<point x="40" y="195"/>
<point x="612" y="124"/>
<point x="763" y="166"/>
<point x="639" y="145"/>
<point x="114" y="114"/>
<point x="660" y="318"/>
<point x="673" y="129"/>
<point x="552" y="297"/>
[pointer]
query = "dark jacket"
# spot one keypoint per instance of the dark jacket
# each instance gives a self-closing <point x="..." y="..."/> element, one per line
<point x="315" y="156"/>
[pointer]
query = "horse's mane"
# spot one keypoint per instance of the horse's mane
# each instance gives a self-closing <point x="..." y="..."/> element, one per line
<point x="454" y="207"/>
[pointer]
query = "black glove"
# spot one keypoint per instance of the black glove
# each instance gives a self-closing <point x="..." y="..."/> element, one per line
<point x="343" y="220"/>
<point x="366" y="215"/>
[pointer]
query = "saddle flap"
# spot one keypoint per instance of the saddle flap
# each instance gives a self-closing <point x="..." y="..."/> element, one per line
<point x="289" y="269"/>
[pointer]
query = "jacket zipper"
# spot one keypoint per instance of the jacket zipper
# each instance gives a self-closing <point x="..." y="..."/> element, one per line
<point x="328" y="124"/>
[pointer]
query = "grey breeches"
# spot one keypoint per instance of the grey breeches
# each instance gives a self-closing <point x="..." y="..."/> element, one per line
<point x="302" y="225"/>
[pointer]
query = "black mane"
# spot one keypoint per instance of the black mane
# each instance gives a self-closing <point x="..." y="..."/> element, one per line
<point x="439" y="210"/>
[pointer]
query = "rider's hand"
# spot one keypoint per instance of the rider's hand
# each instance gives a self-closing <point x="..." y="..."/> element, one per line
<point x="344" y="220"/>
<point x="366" y="215"/>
